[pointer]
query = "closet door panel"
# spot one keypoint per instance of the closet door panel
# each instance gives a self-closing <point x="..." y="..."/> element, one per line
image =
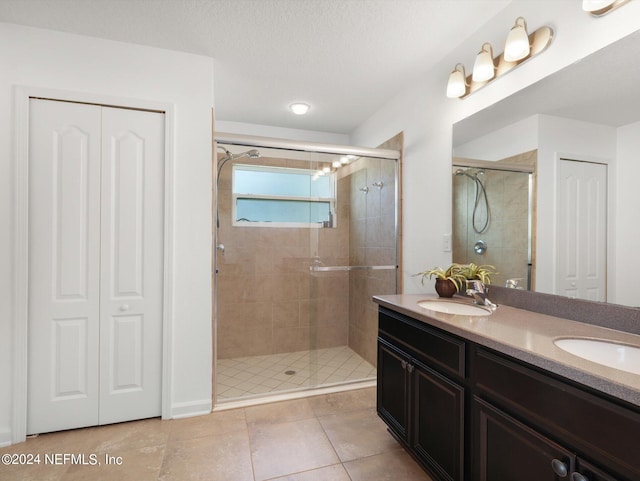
<point x="132" y="258"/>
<point x="64" y="249"/>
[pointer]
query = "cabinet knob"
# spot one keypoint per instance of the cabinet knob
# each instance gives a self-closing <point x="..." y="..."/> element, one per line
<point x="578" y="477"/>
<point x="403" y="364"/>
<point x="124" y="307"/>
<point x="559" y="468"/>
<point x="410" y="368"/>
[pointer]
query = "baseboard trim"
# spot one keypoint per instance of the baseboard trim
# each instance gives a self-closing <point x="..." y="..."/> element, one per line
<point x="6" y="439"/>
<point x="191" y="408"/>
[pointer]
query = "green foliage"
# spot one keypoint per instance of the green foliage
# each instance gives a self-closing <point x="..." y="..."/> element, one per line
<point x="459" y="274"/>
<point x="483" y="272"/>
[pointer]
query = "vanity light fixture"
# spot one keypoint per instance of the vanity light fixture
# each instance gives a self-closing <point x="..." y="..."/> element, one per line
<point x="517" y="45"/>
<point x="601" y="7"/>
<point x="299" y="108"/>
<point x="457" y="86"/>
<point x="484" y="69"/>
<point x="519" y="48"/>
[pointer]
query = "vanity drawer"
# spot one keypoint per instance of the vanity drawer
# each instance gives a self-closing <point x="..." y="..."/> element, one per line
<point x="427" y="344"/>
<point x="595" y="426"/>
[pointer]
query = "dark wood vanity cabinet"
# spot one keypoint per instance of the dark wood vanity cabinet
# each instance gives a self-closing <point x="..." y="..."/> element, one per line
<point x="595" y="429"/>
<point x="419" y="397"/>
<point x="466" y="412"/>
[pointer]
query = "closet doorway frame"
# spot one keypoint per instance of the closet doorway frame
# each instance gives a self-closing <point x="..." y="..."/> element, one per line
<point x="23" y="95"/>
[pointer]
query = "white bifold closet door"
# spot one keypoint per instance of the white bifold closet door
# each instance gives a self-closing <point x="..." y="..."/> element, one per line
<point x="96" y="229"/>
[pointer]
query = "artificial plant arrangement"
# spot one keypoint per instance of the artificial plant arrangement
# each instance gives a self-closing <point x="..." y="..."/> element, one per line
<point x="453" y="279"/>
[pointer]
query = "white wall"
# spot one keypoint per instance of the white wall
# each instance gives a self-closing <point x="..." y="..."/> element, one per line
<point x="627" y="232"/>
<point x="45" y="59"/>
<point x="506" y="142"/>
<point x="258" y="130"/>
<point x="426" y="116"/>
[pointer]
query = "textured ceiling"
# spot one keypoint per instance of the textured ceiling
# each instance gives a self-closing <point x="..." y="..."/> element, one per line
<point x="344" y="57"/>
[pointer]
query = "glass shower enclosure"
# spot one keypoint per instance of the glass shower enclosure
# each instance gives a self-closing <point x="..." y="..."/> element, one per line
<point x="493" y="217"/>
<point x="304" y="236"/>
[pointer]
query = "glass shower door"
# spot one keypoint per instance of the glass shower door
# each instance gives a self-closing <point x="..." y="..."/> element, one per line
<point x="302" y="247"/>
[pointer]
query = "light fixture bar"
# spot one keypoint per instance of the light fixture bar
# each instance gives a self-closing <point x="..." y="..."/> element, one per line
<point x="538" y="40"/>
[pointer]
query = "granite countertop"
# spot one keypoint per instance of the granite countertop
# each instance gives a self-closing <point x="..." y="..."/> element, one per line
<point x="529" y="336"/>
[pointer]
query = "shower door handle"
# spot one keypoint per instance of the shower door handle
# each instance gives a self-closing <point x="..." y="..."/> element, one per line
<point x="349" y="268"/>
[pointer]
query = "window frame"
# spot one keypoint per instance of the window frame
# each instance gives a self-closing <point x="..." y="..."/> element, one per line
<point x="332" y="201"/>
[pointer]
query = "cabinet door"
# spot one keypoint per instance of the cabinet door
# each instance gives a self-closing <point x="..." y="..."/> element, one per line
<point x="438" y="413"/>
<point x="508" y="450"/>
<point x="393" y="388"/>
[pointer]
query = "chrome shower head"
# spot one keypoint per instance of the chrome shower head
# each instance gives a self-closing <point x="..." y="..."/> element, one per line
<point x="252" y="154"/>
<point x="465" y="173"/>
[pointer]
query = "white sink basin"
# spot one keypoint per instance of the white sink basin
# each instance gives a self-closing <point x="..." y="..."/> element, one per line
<point x="608" y="353"/>
<point x="452" y="307"/>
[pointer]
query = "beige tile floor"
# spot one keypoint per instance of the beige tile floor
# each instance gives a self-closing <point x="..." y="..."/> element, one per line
<point x="333" y="437"/>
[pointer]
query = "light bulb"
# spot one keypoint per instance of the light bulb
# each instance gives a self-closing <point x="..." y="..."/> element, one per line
<point x="457" y="85"/>
<point x="483" y="68"/>
<point x="517" y="46"/>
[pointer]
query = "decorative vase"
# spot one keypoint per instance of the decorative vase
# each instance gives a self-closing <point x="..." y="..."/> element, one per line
<point x="445" y="288"/>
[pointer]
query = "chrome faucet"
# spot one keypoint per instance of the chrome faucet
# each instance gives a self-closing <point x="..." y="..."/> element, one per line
<point x="478" y="291"/>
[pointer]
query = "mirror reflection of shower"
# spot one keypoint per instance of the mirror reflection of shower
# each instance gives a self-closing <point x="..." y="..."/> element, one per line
<point x="481" y="213"/>
<point x="493" y="222"/>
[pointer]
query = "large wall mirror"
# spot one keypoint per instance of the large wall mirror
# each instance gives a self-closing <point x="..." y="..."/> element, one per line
<point x="580" y="131"/>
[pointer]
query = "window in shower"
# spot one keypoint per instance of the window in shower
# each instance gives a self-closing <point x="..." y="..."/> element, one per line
<point x="282" y="197"/>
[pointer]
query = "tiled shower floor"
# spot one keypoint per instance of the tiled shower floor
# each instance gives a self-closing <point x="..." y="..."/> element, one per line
<point x="245" y="377"/>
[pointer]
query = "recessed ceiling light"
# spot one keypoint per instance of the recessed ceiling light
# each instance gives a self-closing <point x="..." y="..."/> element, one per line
<point x="299" y="108"/>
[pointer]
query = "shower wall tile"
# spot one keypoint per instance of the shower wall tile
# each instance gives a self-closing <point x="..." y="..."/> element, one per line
<point x="290" y="339"/>
<point x="245" y="315"/>
<point x="251" y="342"/>
<point x="333" y="333"/>
<point x="286" y="314"/>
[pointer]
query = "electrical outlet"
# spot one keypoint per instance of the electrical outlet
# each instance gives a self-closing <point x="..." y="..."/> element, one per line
<point x="446" y="243"/>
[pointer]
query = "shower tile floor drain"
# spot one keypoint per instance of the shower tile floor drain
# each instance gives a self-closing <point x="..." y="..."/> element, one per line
<point x="255" y="375"/>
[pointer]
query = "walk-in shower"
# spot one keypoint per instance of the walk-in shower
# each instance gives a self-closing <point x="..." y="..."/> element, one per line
<point x="304" y="235"/>
<point x="493" y="217"/>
